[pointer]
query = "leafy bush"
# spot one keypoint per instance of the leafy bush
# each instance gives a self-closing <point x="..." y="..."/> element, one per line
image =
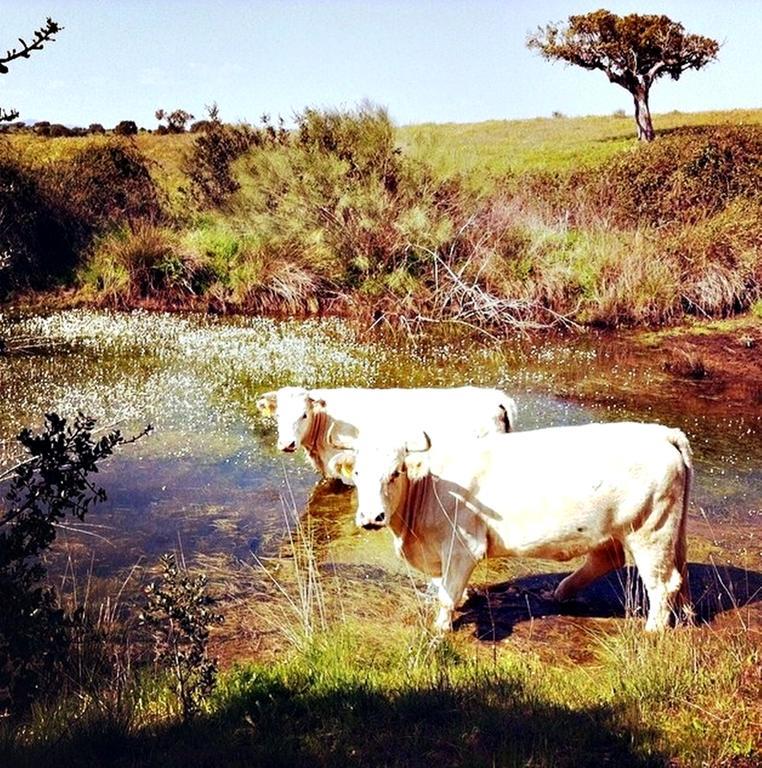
<point x="179" y="612"/>
<point x="138" y="262"/>
<point x="103" y="185"/>
<point x="208" y="165"/>
<point x="57" y="130"/>
<point x="50" y="485"/>
<point x="363" y="139"/>
<point x="126" y="128"/>
<point x="684" y="177"/>
<point x="34" y="242"/>
<point x="339" y="200"/>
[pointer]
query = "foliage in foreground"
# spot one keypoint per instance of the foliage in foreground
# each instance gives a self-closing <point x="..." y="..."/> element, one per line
<point x="50" y="485"/>
<point x="179" y="612"/>
<point x="359" y="697"/>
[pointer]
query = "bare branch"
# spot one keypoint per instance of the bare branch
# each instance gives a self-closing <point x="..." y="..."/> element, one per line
<point x="41" y="36"/>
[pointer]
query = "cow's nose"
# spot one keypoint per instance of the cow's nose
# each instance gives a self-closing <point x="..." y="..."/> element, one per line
<point x="290" y="448"/>
<point x="379" y="519"/>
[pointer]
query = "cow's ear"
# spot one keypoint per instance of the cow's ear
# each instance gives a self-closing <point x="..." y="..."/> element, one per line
<point x="318" y="405"/>
<point x="267" y="404"/>
<point x="343" y="464"/>
<point x="417" y="465"/>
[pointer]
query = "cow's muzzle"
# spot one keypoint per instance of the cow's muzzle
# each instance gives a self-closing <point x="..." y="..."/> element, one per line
<point x="379" y="521"/>
<point x="290" y="448"/>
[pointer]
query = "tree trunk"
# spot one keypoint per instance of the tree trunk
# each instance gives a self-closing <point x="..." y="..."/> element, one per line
<point x="643" y="114"/>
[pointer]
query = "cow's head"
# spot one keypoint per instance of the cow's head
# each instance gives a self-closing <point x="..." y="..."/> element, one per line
<point x="294" y="409"/>
<point x="382" y="475"/>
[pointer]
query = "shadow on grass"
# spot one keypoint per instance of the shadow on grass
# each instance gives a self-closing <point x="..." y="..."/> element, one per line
<point x="292" y="721"/>
<point x="678" y="130"/>
<point x="494" y="611"/>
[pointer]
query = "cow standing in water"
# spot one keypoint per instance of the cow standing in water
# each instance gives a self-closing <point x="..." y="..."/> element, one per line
<point x="305" y="417"/>
<point x="556" y="493"/>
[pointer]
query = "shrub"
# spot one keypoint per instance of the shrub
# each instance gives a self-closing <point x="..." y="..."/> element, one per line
<point x="180" y="611"/>
<point x="35" y="245"/>
<point x="96" y="128"/>
<point x="126" y="128"/>
<point x="683" y="177"/>
<point x="363" y="138"/>
<point x="208" y="165"/>
<point x="339" y="199"/>
<point x="52" y="484"/>
<point x="138" y="262"/>
<point x="57" y="130"/>
<point x="103" y="185"/>
<point x="200" y="125"/>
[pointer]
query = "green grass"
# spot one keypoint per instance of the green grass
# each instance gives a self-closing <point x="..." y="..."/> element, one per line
<point x="357" y="679"/>
<point x="497" y="147"/>
<point x="368" y="695"/>
<point x="489" y="148"/>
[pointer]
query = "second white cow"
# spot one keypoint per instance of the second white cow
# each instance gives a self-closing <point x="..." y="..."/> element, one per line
<point x="305" y="417"/>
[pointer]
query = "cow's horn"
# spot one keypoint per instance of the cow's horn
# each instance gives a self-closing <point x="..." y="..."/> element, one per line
<point x="426" y="437"/>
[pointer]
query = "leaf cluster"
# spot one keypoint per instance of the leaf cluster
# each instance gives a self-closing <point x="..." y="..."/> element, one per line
<point x="52" y="484"/>
<point x="629" y="49"/>
<point x="179" y="612"/>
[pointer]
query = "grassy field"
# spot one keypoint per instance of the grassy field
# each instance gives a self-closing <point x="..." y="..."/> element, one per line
<point x="492" y="149"/>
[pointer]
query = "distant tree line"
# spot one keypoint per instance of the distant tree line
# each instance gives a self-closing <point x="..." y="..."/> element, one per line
<point x="176" y="123"/>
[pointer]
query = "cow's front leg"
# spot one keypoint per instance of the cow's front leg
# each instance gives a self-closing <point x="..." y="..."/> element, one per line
<point x="456" y="573"/>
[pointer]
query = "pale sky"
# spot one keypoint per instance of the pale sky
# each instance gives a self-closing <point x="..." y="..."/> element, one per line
<point x="425" y="60"/>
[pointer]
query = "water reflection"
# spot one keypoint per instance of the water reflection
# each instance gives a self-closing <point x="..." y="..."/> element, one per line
<point x="210" y="480"/>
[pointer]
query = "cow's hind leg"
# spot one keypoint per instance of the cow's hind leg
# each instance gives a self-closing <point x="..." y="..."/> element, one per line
<point x="600" y="561"/>
<point x="661" y="578"/>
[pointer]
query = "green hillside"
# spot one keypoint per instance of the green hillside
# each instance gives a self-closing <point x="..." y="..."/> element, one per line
<point x="551" y="144"/>
<point x="499" y="225"/>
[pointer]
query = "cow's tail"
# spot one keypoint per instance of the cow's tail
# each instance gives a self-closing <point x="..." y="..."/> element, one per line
<point x="683" y="606"/>
<point x="508" y="412"/>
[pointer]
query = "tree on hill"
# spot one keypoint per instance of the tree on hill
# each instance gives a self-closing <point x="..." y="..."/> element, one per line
<point x="126" y="128"/>
<point x="176" y="120"/>
<point x="41" y="36"/>
<point x="633" y="51"/>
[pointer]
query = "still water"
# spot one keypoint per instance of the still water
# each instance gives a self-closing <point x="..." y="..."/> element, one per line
<point x="209" y="479"/>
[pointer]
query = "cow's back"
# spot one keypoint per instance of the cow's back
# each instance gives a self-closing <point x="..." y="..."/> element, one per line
<point x="441" y="412"/>
<point x="568" y="487"/>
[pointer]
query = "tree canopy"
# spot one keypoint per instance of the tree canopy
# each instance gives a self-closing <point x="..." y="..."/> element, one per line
<point x="633" y="51"/>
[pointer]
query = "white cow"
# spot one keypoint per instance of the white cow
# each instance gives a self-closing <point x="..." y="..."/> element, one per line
<point x="557" y="493"/>
<point x="305" y="417"/>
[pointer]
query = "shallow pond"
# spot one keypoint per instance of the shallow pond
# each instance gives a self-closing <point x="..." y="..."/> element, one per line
<point x="209" y="480"/>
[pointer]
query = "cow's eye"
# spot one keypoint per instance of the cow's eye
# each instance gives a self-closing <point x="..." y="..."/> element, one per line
<point x="304" y="415"/>
<point x="395" y="474"/>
